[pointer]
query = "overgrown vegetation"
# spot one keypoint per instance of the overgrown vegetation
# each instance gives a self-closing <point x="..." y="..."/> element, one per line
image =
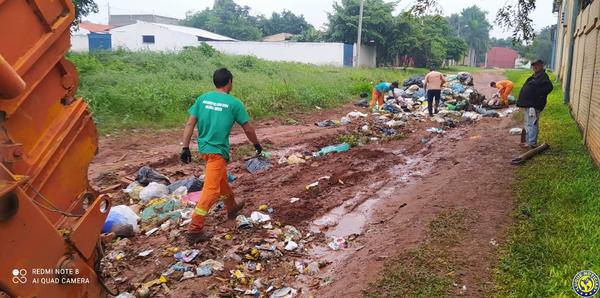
<point x="558" y="211"/>
<point x="126" y="89"/>
<point x="426" y="271"/>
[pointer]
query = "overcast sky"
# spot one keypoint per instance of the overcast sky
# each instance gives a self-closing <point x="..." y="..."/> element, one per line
<point x="315" y="11"/>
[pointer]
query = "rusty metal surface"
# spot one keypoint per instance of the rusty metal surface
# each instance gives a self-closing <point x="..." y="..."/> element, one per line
<point x="47" y="141"/>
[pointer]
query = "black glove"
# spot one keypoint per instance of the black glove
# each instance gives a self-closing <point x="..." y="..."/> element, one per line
<point x="186" y="155"/>
<point x="258" y="148"/>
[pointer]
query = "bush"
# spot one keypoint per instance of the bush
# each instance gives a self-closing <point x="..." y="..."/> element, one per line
<point x="146" y="89"/>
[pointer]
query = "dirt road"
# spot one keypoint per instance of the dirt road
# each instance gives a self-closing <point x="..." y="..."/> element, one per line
<point x="381" y="197"/>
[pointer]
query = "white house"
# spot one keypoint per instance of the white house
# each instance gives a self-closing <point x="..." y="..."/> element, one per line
<point x="160" y="37"/>
<point x="144" y="36"/>
<point x="92" y="36"/>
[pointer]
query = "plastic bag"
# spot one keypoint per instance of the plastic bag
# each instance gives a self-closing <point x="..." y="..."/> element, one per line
<point x="192" y="185"/>
<point x="153" y="190"/>
<point x="333" y="149"/>
<point x="119" y="217"/>
<point x="147" y="175"/>
<point x="257" y="164"/>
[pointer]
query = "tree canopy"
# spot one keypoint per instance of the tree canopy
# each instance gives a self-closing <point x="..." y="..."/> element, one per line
<point x="472" y="26"/>
<point x="233" y="20"/>
<point x="428" y="39"/>
<point x="84" y="8"/>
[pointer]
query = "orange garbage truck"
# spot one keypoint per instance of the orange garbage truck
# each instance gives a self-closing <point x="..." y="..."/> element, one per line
<point x="50" y="217"/>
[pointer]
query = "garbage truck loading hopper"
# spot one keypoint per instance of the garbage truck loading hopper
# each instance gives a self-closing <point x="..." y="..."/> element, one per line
<point x="50" y="218"/>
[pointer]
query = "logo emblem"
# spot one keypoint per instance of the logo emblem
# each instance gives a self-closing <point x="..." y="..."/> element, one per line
<point x="586" y="283"/>
<point x="19" y="276"/>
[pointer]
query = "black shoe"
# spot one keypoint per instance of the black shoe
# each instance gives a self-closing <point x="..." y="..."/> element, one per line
<point x="196" y="237"/>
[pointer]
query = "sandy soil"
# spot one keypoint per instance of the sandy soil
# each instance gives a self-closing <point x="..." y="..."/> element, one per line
<point x="380" y="196"/>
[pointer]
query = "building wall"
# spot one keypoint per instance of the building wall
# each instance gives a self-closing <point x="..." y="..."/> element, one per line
<point x="79" y="43"/>
<point x="130" y="37"/>
<point x="501" y="57"/>
<point x="584" y="96"/>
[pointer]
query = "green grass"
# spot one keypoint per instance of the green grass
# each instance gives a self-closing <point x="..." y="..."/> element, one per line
<point x="154" y="90"/>
<point x="428" y="270"/>
<point x="557" y="232"/>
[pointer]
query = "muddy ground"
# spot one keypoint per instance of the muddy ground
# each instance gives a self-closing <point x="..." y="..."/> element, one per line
<point x="381" y="197"/>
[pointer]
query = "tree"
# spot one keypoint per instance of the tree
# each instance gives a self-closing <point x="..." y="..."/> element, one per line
<point x="284" y="22"/>
<point x="226" y="18"/>
<point x="309" y="35"/>
<point x="377" y="17"/>
<point x="541" y="47"/>
<point x="434" y="41"/>
<point x="473" y="27"/>
<point x="456" y="49"/>
<point x="343" y="22"/>
<point x="83" y="8"/>
<point x="515" y="16"/>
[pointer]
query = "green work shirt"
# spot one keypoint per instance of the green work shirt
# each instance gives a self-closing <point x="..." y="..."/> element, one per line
<point x="216" y="113"/>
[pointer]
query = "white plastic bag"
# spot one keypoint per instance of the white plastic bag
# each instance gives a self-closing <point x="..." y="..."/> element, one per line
<point x="121" y="215"/>
<point x="153" y="190"/>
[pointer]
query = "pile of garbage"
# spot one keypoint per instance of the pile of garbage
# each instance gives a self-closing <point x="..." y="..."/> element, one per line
<point x="248" y="260"/>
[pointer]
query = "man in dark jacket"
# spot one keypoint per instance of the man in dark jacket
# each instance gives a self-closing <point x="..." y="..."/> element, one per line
<point x="533" y="98"/>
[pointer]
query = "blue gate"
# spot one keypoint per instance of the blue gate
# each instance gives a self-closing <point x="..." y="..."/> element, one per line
<point x="99" y="42"/>
<point x="348" y="54"/>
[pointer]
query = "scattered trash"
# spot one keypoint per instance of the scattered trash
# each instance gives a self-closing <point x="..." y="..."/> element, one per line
<point x="312" y="185"/>
<point x="338" y="243"/>
<point x="191" y="185"/>
<point x="294" y="159"/>
<point x="333" y="149"/>
<point x="257" y="164"/>
<point x="243" y="222"/>
<point x="153" y="190"/>
<point x="291" y="233"/>
<point x="204" y="271"/>
<point x="516" y="131"/>
<point x="286" y="292"/>
<point x="326" y="123"/>
<point x="345" y="120"/>
<point x="162" y="209"/>
<point x="356" y="114"/>
<point x="294" y="200"/>
<point x="147" y="175"/>
<point x="424" y="140"/>
<point x="188" y="275"/>
<point x="122" y="221"/>
<point x="133" y="190"/>
<point x="258" y="217"/>
<point x="395" y="123"/>
<point x="125" y="295"/>
<point x="187" y="256"/>
<point x="152" y="231"/>
<point x="435" y="130"/>
<point x="214" y="265"/>
<point x="493" y="242"/>
<point x="192" y="198"/>
<point x="487" y="113"/>
<point x="291" y="245"/>
<point x="145" y="253"/>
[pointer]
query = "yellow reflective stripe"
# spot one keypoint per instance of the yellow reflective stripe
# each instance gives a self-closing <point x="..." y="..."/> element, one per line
<point x="200" y="211"/>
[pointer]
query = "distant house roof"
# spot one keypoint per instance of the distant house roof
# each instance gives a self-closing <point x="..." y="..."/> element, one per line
<point x="118" y="20"/>
<point x="278" y="37"/>
<point x="202" y="35"/>
<point x="95" y="28"/>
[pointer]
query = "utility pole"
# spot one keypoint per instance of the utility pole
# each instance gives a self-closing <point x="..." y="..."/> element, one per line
<point x="108" y="6"/>
<point x="359" y="40"/>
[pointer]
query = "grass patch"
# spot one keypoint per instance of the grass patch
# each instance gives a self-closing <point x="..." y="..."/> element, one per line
<point x="557" y="231"/>
<point x="154" y="90"/>
<point x="426" y="271"/>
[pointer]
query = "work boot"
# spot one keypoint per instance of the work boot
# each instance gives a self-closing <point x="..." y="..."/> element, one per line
<point x="527" y="146"/>
<point x="196" y="237"/>
<point x="232" y="214"/>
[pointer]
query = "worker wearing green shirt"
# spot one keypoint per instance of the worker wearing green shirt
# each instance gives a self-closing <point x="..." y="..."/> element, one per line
<point x="214" y="113"/>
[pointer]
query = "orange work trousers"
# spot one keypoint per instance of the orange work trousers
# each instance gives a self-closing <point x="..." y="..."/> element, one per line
<point x="215" y="187"/>
<point x="505" y="93"/>
<point x="376" y="96"/>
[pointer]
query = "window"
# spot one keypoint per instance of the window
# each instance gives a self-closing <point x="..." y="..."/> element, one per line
<point x="148" y="39"/>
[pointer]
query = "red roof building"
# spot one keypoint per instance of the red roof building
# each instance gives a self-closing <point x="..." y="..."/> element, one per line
<point x="502" y="57"/>
<point x="95" y="28"/>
